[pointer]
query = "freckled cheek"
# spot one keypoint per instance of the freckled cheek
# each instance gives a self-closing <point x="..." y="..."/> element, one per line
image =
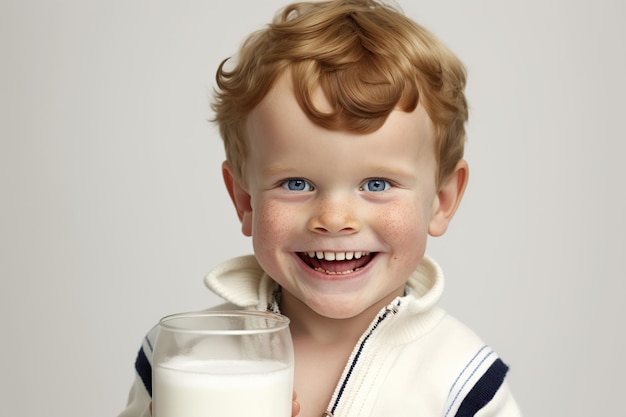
<point x="403" y="228"/>
<point x="272" y="223"/>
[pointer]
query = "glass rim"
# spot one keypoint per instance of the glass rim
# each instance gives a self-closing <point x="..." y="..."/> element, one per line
<point x="276" y="321"/>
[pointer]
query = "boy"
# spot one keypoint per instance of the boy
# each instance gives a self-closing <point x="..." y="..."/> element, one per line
<point x="343" y="124"/>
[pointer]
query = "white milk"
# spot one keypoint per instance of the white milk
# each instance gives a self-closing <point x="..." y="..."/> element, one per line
<point x="188" y="388"/>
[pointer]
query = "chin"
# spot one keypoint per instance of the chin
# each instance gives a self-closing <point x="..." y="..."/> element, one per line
<point x="342" y="308"/>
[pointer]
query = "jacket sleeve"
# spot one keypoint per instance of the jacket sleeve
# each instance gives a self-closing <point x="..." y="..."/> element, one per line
<point x="502" y="405"/>
<point x="140" y="396"/>
<point x="481" y="388"/>
<point x="138" y="401"/>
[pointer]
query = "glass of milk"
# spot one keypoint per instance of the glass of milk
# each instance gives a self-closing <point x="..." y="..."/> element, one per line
<point x="223" y="363"/>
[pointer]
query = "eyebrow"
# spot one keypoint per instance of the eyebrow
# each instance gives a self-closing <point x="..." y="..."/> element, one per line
<point x="276" y="170"/>
<point x="387" y="171"/>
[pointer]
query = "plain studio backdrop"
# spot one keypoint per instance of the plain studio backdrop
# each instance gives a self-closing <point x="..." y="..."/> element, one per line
<point x="112" y="206"/>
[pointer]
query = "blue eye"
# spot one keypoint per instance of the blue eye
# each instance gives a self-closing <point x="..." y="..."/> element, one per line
<point x="297" y="184"/>
<point x="376" y="185"/>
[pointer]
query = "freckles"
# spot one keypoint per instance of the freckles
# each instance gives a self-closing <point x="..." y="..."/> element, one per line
<point x="400" y="222"/>
<point x="272" y="220"/>
<point x="404" y="229"/>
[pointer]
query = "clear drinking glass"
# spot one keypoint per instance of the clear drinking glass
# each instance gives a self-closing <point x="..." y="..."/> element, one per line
<point x="223" y="363"/>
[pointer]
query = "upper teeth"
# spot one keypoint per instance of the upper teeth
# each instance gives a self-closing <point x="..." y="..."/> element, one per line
<point x="337" y="256"/>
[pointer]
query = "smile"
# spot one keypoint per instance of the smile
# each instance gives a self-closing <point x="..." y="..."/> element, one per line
<point x="336" y="263"/>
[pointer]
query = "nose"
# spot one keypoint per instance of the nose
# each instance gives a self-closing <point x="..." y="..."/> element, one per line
<point x="334" y="217"/>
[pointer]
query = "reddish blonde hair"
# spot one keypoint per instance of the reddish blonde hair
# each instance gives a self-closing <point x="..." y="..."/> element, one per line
<point x="368" y="59"/>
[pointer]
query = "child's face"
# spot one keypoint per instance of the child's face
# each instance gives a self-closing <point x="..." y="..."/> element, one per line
<point x="364" y="200"/>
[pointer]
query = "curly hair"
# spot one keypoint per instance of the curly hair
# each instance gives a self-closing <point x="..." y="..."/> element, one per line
<point x="367" y="58"/>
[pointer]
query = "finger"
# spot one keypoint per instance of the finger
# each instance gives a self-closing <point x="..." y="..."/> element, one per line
<point x="295" y="408"/>
<point x="295" y="405"/>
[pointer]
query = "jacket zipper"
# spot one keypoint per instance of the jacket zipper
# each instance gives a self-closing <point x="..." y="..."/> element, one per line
<point x="390" y="310"/>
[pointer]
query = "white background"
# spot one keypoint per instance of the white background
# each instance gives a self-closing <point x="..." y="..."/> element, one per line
<point x="112" y="207"/>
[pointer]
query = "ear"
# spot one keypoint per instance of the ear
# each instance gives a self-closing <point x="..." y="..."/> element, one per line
<point x="448" y="199"/>
<point x="240" y="197"/>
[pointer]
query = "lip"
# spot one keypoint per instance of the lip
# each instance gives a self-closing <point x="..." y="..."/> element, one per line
<point x="337" y="270"/>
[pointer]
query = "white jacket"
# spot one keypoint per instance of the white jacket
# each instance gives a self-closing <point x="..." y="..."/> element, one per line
<point x="413" y="360"/>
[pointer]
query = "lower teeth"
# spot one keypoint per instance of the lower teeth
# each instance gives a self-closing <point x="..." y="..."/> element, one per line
<point x="336" y="273"/>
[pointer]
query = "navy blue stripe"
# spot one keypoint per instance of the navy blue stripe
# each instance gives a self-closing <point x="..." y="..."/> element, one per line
<point x="484" y="390"/>
<point x="144" y="370"/>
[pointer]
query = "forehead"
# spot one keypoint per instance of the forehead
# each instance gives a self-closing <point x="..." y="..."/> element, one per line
<point x="280" y="109"/>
